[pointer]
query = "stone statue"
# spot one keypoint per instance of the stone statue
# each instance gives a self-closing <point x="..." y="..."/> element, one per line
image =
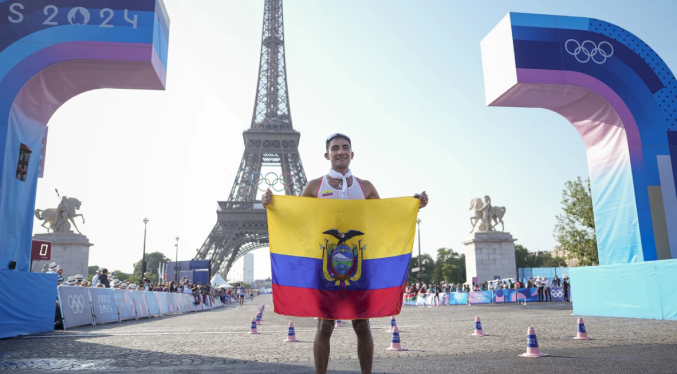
<point x="59" y="218"/>
<point x="484" y="212"/>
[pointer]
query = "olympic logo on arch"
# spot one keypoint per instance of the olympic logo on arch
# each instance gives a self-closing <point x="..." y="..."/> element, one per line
<point x="76" y="303"/>
<point x="258" y="179"/>
<point x="589" y="50"/>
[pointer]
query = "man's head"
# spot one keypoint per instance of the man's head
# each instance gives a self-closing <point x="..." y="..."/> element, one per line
<point x="104" y="271"/>
<point x="339" y="151"/>
<point x="59" y="271"/>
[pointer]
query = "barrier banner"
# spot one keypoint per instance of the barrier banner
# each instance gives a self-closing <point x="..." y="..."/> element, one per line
<point x="125" y="304"/>
<point x="528" y="294"/>
<point x="409" y="299"/>
<point x="444" y="298"/>
<point x="207" y="303"/>
<point x="170" y="301"/>
<point x="458" y="298"/>
<point x="104" y="305"/>
<point x="504" y="296"/>
<point x="188" y="302"/>
<point x="479" y="297"/>
<point x="140" y="304"/>
<point x="151" y="300"/>
<point x="420" y="300"/>
<point x="76" y="309"/>
<point x="178" y="304"/>
<point x="162" y="302"/>
<point x="227" y="299"/>
<point x="557" y="294"/>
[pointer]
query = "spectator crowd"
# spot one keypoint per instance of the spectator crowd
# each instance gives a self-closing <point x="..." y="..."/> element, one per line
<point x="542" y="284"/>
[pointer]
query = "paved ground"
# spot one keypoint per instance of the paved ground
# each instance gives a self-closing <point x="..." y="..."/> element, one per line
<point x="438" y="338"/>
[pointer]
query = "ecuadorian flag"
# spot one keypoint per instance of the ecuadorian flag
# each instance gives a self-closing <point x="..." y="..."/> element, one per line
<point x="340" y="259"/>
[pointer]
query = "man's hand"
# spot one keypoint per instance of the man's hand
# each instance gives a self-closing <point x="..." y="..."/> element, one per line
<point x="267" y="198"/>
<point x="424" y="199"/>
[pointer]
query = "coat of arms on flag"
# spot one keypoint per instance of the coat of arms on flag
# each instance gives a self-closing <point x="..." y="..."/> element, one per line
<point x="340" y="278"/>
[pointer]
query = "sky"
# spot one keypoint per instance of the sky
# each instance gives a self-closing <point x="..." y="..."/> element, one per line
<point x="402" y="78"/>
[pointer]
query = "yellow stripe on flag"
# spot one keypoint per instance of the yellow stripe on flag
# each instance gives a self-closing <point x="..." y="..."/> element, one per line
<point x="296" y="225"/>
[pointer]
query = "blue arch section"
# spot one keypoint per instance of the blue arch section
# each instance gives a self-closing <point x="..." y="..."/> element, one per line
<point x="51" y="51"/>
<point x="634" y="200"/>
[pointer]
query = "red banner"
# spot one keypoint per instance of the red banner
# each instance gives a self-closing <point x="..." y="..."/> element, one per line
<point x="41" y="250"/>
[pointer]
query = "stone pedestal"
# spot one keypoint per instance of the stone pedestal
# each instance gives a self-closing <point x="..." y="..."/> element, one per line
<point x="69" y="250"/>
<point x="488" y="255"/>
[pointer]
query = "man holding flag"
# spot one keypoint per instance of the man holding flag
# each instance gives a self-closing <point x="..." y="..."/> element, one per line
<point x="341" y="279"/>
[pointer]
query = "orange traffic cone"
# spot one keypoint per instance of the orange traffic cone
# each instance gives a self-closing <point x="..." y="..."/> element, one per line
<point x="395" y="344"/>
<point x="252" y="330"/>
<point x="338" y="323"/>
<point x="291" y="334"/>
<point x="581" y="334"/>
<point x="532" y="345"/>
<point x="478" y="327"/>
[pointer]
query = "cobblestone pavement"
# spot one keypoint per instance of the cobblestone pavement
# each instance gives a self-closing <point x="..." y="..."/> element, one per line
<point x="219" y="338"/>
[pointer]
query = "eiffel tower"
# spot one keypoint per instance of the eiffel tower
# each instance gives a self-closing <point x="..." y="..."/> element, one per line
<point x="271" y="141"/>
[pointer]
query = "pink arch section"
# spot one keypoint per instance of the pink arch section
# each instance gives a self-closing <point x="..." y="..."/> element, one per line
<point x="612" y="141"/>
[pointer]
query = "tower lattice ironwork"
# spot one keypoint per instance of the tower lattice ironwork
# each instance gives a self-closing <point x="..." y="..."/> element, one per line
<point x="271" y="140"/>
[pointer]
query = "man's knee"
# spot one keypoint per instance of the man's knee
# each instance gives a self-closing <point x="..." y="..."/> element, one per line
<point x="325" y="327"/>
<point x="361" y="327"/>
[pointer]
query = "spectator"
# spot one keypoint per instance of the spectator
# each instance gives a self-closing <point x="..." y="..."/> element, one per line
<point x="556" y="282"/>
<point x="95" y="278"/>
<point x="85" y="283"/>
<point x="103" y="279"/>
<point x="145" y="284"/>
<point x="547" y="295"/>
<point x="116" y="283"/>
<point x="59" y="273"/>
<point x="78" y="279"/>
<point x="71" y="281"/>
<point x="565" y="288"/>
<point x="124" y="285"/>
<point x="541" y="285"/>
<point x="52" y="267"/>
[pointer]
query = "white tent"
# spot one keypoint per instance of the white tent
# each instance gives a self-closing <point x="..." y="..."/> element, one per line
<point x="217" y="280"/>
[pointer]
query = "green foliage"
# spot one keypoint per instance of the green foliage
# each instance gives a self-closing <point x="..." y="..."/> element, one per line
<point x="526" y="259"/>
<point x="449" y="266"/>
<point x="575" y="228"/>
<point x="153" y="260"/>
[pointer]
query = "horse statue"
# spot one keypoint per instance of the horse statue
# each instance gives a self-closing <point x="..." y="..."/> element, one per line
<point x="497" y="213"/>
<point x="50" y="215"/>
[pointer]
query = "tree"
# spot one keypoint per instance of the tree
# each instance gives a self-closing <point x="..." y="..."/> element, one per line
<point x="449" y="267"/>
<point x="91" y="271"/>
<point x="524" y="258"/>
<point x="427" y="262"/>
<point x="575" y="228"/>
<point x="153" y="261"/>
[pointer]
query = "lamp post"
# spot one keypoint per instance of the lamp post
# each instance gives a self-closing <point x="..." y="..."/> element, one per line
<point x="143" y="258"/>
<point x="420" y="268"/>
<point x="176" y="264"/>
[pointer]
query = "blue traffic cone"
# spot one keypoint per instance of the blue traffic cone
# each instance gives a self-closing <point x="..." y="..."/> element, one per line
<point x="291" y="334"/>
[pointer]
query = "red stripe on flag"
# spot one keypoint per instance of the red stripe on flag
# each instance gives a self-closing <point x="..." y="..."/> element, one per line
<point x="308" y="302"/>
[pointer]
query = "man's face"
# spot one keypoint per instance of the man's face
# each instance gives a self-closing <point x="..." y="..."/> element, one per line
<point x="339" y="153"/>
<point x="60" y="271"/>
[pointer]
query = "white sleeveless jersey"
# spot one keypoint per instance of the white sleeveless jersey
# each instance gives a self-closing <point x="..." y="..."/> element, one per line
<point x="355" y="191"/>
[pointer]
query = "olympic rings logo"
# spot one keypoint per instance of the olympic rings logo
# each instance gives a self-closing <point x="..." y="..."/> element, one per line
<point x="459" y="297"/>
<point x="257" y="179"/>
<point x="589" y="50"/>
<point x="557" y="293"/>
<point x="77" y="303"/>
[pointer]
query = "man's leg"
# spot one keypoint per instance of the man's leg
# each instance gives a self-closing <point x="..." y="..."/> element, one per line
<point x="321" y="348"/>
<point x="365" y="344"/>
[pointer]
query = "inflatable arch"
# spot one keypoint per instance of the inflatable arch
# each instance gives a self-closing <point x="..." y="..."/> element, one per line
<point x="620" y="96"/>
<point x="51" y="51"/>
